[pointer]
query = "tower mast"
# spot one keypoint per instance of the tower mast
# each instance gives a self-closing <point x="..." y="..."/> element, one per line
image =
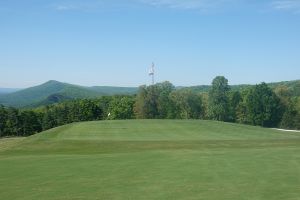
<point x="151" y="72"/>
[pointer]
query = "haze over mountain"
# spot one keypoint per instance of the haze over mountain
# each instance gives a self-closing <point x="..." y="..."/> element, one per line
<point x="8" y="90"/>
<point x="54" y="91"/>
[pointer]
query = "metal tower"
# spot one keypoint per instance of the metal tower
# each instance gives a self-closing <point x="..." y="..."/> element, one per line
<point x="151" y="73"/>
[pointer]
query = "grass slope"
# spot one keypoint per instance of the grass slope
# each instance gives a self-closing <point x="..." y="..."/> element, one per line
<point x="152" y="159"/>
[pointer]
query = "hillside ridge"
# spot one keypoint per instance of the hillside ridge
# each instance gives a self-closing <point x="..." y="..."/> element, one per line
<point x="54" y="91"/>
<point x="41" y="94"/>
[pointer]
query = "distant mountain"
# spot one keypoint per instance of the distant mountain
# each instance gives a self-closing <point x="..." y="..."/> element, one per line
<point x="53" y="98"/>
<point x="8" y="90"/>
<point x="54" y="91"/>
<point x="206" y="88"/>
<point x="109" y="90"/>
<point x="294" y="86"/>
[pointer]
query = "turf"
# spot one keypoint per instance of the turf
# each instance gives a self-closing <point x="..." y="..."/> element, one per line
<point x="152" y="159"/>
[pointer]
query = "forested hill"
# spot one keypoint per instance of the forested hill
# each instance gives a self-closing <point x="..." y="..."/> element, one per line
<point x="54" y="91"/>
<point x="293" y="86"/>
<point x="110" y="90"/>
<point x="259" y="105"/>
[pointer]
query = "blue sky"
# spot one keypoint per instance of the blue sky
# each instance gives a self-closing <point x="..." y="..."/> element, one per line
<point x="113" y="42"/>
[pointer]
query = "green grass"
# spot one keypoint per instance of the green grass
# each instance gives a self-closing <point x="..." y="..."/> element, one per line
<point x="152" y="159"/>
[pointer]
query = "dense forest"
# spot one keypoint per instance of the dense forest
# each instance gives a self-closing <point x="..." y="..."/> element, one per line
<point x="259" y="105"/>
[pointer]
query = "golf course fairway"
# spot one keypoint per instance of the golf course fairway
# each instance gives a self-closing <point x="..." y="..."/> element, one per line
<point x="152" y="159"/>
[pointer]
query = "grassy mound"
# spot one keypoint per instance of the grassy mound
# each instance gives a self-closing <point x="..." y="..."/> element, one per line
<point x="152" y="159"/>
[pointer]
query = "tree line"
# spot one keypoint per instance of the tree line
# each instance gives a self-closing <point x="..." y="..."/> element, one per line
<point x="258" y="105"/>
<point x="18" y="122"/>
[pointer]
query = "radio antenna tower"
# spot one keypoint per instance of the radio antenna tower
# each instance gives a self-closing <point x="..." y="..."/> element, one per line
<point x="151" y="73"/>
